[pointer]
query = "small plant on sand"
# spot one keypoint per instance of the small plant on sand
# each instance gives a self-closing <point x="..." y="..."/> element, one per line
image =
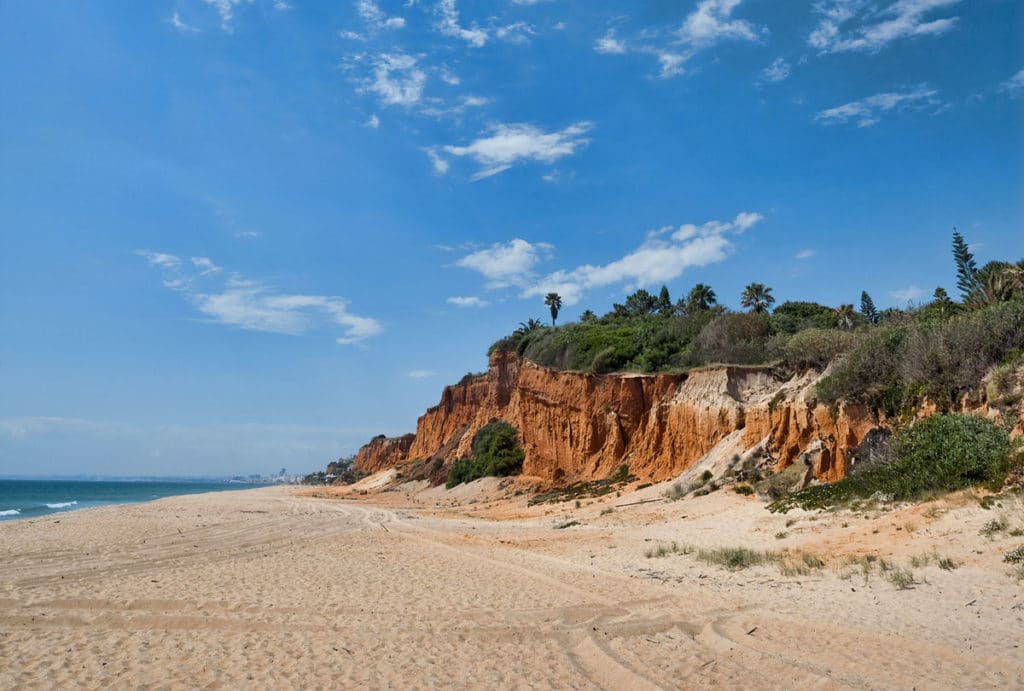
<point x="665" y="550"/>
<point x="781" y="535"/>
<point x="605" y="512"/>
<point x="732" y="558"/>
<point x="947" y="564"/>
<point x="675" y="492"/>
<point x="567" y="524"/>
<point x="744" y="489"/>
<point x="902" y="578"/>
<point x="1015" y="556"/>
<point x="994" y="527"/>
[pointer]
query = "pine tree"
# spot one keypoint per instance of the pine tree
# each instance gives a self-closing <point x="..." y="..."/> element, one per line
<point x="867" y="308"/>
<point x="971" y="288"/>
<point x="664" y="302"/>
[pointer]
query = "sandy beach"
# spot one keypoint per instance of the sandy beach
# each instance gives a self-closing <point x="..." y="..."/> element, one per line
<point x="425" y="589"/>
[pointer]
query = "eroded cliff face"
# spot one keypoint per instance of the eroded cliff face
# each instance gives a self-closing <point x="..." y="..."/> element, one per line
<point x="576" y="426"/>
<point x="383" y="453"/>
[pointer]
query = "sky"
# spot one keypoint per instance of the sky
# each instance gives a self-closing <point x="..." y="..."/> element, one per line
<point x="240" y="235"/>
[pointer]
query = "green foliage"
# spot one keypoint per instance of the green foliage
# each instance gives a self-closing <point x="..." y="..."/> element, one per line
<point x="701" y="298"/>
<point x="818" y="347"/>
<point x="735" y="339"/>
<point x="791" y="317"/>
<point x="496" y="452"/>
<point x="941" y="453"/>
<point x="867" y="308"/>
<point x="587" y="490"/>
<point x="757" y="297"/>
<point x="966" y="269"/>
<point x="897" y="363"/>
<point x="554" y="303"/>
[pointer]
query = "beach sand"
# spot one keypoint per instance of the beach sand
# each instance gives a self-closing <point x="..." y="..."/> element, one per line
<point x="423" y="589"/>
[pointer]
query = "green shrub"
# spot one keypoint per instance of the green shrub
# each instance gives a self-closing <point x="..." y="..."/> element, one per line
<point x="496" y="452"/>
<point x="818" y="347"/>
<point x="735" y="338"/>
<point x="941" y="453"/>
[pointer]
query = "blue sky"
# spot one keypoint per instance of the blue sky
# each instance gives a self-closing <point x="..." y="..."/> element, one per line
<point x="237" y="235"/>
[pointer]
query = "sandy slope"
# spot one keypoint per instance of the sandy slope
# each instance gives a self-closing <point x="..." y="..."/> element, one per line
<point x="263" y="589"/>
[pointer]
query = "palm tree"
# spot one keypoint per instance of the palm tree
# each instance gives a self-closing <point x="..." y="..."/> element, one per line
<point x="554" y="301"/>
<point x="529" y="326"/>
<point x="757" y="297"/>
<point x="844" y="316"/>
<point x="701" y="298"/>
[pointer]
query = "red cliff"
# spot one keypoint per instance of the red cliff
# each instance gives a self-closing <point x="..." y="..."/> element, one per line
<point x="576" y="426"/>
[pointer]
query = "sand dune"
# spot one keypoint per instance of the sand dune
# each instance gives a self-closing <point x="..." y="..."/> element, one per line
<point x="262" y="588"/>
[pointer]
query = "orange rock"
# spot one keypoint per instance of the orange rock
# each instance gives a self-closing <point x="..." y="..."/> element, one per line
<point x="576" y="426"/>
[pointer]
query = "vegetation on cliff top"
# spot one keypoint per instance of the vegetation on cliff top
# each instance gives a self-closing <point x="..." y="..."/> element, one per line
<point x="886" y="359"/>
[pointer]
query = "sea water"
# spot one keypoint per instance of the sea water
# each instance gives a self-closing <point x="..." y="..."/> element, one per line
<point x="34" y="498"/>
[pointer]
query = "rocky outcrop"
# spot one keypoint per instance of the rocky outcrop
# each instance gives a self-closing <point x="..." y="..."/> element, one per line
<point x="576" y="426"/>
<point x="383" y="453"/>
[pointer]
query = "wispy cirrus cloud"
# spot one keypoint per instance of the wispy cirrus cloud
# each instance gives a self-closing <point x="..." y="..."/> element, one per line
<point x="712" y="22"/>
<point x="256" y="306"/>
<point x="180" y="25"/>
<point x="804" y="254"/>
<point x="663" y="256"/>
<point x="397" y="79"/>
<point x="1014" y="85"/>
<point x="468" y="301"/>
<point x="375" y="18"/>
<point x="776" y="72"/>
<point x="859" y="25"/>
<point x="709" y="24"/>
<point x="868" y="111"/>
<point x="421" y="374"/>
<point x="448" y="25"/>
<point x="506" y="145"/>
<point x="908" y="294"/>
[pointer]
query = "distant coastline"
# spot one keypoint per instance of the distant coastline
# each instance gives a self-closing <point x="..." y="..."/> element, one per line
<point x="24" y="498"/>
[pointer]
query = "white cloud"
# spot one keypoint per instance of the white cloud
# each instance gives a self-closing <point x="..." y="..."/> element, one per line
<point x="439" y="164"/>
<point x="517" y="32"/>
<point x="671" y="64"/>
<point x="166" y="261"/>
<point x="471" y="301"/>
<point x="507" y="264"/>
<point x="448" y="24"/>
<point x="421" y="374"/>
<point x="805" y="254"/>
<point x="178" y="23"/>
<point x="868" y="111"/>
<point x="375" y="18"/>
<point x="281" y="5"/>
<point x="777" y="71"/>
<point x="1014" y="85"/>
<point x="226" y="10"/>
<point x="397" y="79"/>
<point x="857" y="25"/>
<point x="508" y="144"/>
<point x="373" y="122"/>
<point x="908" y="294"/>
<point x="205" y="265"/>
<point x="663" y="257"/>
<point x="255" y="306"/>
<point x="711" y="22"/>
<point x="609" y="45"/>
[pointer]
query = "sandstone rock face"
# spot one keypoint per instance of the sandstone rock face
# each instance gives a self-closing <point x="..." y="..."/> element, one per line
<point x="576" y="426"/>
<point x="383" y="453"/>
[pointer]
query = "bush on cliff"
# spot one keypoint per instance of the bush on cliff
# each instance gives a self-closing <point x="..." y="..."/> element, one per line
<point x="894" y="365"/>
<point x="496" y="452"/>
<point x="940" y="453"/>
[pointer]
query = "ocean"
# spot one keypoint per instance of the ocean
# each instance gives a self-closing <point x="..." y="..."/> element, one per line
<point x="34" y="498"/>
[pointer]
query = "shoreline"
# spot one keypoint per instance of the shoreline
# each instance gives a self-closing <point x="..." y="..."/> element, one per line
<point x="422" y="587"/>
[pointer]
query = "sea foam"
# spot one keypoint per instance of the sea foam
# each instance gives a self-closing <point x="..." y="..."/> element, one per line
<point x="61" y="505"/>
<point x="10" y="512"/>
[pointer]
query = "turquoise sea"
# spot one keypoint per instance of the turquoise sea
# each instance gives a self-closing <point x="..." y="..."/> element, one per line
<point x="34" y="498"/>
